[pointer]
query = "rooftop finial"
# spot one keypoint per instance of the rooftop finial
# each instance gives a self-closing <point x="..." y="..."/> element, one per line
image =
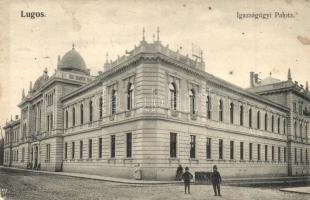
<point x="270" y="74"/>
<point x="158" y="33"/>
<point x="307" y="86"/>
<point x="143" y="34"/>
<point x="73" y="45"/>
<point x="45" y="70"/>
<point x="23" y="93"/>
<point x="107" y="57"/>
<point x="58" y="61"/>
<point x="153" y="37"/>
<point x="289" y="76"/>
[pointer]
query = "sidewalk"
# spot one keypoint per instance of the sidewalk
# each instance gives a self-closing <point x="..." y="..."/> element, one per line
<point x="299" y="190"/>
<point x="226" y="181"/>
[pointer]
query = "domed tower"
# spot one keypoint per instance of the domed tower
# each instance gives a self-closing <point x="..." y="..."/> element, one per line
<point x="72" y="61"/>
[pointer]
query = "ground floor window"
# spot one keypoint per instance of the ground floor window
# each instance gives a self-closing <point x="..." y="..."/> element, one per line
<point x="266" y="152"/>
<point x="284" y="154"/>
<point x="279" y="153"/>
<point x="193" y="147"/>
<point x="295" y="155"/>
<point x="90" y="148"/>
<point x="128" y="145"/>
<point x="272" y="153"/>
<point x="220" y="149"/>
<point x="250" y="151"/>
<point x="81" y="149"/>
<point x="48" y="152"/>
<point x="258" y="152"/>
<point x="112" y="146"/>
<point x="231" y="150"/>
<point x="208" y="148"/>
<point x="72" y="150"/>
<point x="173" y="145"/>
<point x="100" y="148"/>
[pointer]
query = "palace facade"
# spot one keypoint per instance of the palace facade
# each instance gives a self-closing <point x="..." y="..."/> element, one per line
<point x="156" y="107"/>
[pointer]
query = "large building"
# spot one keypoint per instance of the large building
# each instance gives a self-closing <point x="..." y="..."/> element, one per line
<point x="156" y="107"/>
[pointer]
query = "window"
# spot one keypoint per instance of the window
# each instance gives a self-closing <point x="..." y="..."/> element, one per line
<point x="258" y="119"/>
<point x="258" y="152"/>
<point x="100" y="148"/>
<point x="128" y="145"/>
<point x="295" y="129"/>
<point x="266" y="122"/>
<point x="81" y="149"/>
<point x="250" y="118"/>
<point x="272" y="153"/>
<point x="173" y="145"/>
<point x="294" y="107"/>
<point x="193" y="146"/>
<point x="23" y="154"/>
<point x="208" y="148"/>
<point x="66" y="151"/>
<point x="241" y="151"/>
<point x="82" y="113"/>
<point x="67" y="118"/>
<point x="90" y="111"/>
<point x="208" y="107"/>
<point x="231" y="109"/>
<point x="100" y="107"/>
<point x="300" y="130"/>
<point x="279" y="154"/>
<point x="301" y="159"/>
<point x="300" y="109"/>
<point x="72" y="150"/>
<point x="307" y="155"/>
<point x="192" y="101"/>
<point x="250" y="151"/>
<point x="221" y="110"/>
<point x="113" y="102"/>
<point x="279" y="125"/>
<point x="51" y="121"/>
<point x="272" y="123"/>
<point x="231" y="150"/>
<point x="48" y="123"/>
<point x="295" y="155"/>
<point x="284" y="126"/>
<point x="129" y="96"/>
<point x="220" y="149"/>
<point x="266" y="152"/>
<point x="48" y="152"/>
<point x="173" y="96"/>
<point x="73" y="116"/>
<point x="241" y="115"/>
<point x="112" y="146"/>
<point x="90" y="148"/>
<point x="284" y="154"/>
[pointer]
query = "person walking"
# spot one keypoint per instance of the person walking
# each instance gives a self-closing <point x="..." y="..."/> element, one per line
<point x="216" y="180"/>
<point x="179" y="173"/>
<point x="187" y="176"/>
<point x="137" y="172"/>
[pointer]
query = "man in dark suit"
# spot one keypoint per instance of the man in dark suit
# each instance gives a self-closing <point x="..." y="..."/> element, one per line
<point x="216" y="180"/>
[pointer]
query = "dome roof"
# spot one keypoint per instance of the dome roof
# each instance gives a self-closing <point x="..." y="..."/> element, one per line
<point x="72" y="60"/>
<point x="40" y="81"/>
<point x="269" y="80"/>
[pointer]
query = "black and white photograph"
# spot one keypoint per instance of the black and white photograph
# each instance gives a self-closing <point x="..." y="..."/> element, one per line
<point x="154" y="100"/>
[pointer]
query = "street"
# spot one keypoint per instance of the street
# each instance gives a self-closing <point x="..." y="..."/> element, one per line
<point x="31" y="186"/>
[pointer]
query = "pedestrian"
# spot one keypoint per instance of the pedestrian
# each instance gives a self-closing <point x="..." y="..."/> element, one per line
<point x="187" y="176"/>
<point x="179" y="173"/>
<point x="216" y="180"/>
<point x="137" y="172"/>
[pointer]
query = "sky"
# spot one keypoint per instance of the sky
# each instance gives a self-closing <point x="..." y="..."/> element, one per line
<point x="232" y="47"/>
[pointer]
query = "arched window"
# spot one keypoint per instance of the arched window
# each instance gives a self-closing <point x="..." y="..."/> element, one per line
<point x="266" y="122"/>
<point x="221" y="110"/>
<point x="258" y="119"/>
<point x="173" y="96"/>
<point x="241" y="115"/>
<point x="208" y="107"/>
<point x="67" y="119"/>
<point x="279" y="125"/>
<point x="73" y="116"/>
<point x="113" y="102"/>
<point x="100" y="107"/>
<point x="250" y="117"/>
<point x="231" y="109"/>
<point x="192" y="101"/>
<point x="129" y="96"/>
<point x="90" y="111"/>
<point x="82" y="113"/>
<point x="272" y="123"/>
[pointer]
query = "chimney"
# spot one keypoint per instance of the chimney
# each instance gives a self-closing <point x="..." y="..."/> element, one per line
<point x="307" y="87"/>
<point x="252" y="79"/>
<point x="289" y="75"/>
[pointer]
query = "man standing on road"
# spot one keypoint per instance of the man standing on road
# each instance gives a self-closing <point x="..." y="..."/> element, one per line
<point x="216" y="180"/>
